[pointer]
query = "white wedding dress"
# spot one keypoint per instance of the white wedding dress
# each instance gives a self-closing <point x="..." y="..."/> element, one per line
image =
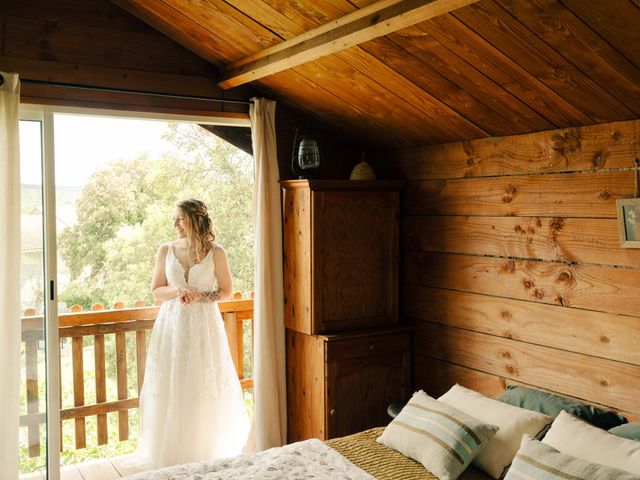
<point x="191" y="405"/>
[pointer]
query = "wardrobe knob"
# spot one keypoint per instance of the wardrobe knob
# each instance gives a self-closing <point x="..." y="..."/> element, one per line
<point x="332" y="412"/>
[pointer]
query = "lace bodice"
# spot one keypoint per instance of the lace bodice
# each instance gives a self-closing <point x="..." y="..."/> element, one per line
<point x="201" y="275"/>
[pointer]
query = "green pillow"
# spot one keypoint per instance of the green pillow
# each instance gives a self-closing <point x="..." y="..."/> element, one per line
<point x="628" y="430"/>
<point x="552" y="405"/>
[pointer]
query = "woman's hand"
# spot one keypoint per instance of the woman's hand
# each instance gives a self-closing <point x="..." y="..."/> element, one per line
<point x="188" y="295"/>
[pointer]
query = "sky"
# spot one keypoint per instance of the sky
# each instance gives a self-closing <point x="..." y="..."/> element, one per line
<point x="84" y="143"/>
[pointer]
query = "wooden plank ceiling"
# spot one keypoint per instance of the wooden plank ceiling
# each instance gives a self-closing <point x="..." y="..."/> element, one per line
<point x="490" y="68"/>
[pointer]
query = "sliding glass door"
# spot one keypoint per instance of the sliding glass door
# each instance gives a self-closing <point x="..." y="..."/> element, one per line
<point x="89" y="237"/>
<point x="38" y="360"/>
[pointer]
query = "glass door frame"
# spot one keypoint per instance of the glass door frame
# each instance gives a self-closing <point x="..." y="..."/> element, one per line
<point x="45" y="115"/>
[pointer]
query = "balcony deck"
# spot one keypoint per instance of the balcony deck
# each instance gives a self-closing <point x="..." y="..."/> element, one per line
<point x="102" y="469"/>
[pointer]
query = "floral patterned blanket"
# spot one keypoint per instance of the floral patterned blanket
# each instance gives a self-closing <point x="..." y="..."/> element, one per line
<point x="310" y="459"/>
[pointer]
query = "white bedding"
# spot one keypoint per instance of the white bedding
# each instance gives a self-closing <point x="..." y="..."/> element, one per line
<point x="300" y="460"/>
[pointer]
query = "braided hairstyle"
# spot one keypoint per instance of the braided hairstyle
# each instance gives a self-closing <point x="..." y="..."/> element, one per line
<point x="201" y="234"/>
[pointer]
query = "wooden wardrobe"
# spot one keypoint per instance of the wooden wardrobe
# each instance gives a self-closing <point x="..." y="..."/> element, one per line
<point x="347" y="356"/>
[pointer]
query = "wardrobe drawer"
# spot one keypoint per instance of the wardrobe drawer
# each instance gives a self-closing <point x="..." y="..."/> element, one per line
<point x="345" y="348"/>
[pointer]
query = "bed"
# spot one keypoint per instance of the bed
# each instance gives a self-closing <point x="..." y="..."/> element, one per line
<point x="333" y="459"/>
<point x="524" y="433"/>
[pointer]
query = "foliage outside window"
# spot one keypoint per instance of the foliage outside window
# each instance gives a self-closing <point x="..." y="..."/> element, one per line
<point x="124" y="214"/>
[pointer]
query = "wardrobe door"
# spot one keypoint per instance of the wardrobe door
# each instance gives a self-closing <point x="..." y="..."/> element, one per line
<point x="355" y="259"/>
<point x="360" y="388"/>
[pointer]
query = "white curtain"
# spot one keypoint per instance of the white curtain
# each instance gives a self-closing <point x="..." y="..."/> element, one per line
<point x="269" y="427"/>
<point x="9" y="274"/>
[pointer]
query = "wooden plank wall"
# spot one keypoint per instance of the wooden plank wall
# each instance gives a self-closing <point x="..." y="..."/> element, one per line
<point x="94" y="42"/>
<point x="512" y="271"/>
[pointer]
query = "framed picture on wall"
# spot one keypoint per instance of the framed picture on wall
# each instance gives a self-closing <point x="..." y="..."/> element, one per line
<point x="629" y="222"/>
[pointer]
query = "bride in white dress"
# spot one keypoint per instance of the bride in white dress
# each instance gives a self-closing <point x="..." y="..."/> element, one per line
<point x="191" y="405"/>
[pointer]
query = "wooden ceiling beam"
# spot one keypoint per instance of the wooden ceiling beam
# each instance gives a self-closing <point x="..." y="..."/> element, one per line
<point x="372" y="21"/>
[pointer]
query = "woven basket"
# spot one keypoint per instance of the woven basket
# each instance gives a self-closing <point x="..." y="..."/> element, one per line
<point x="362" y="171"/>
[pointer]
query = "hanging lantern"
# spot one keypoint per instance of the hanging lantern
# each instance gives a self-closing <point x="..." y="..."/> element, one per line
<point x="306" y="158"/>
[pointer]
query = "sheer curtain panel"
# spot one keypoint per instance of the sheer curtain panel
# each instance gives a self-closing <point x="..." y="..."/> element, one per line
<point x="9" y="274"/>
<point x="270" y="409"/>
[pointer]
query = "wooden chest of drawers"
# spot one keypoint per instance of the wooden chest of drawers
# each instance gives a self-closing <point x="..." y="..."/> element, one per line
<point x="342" y="384"/>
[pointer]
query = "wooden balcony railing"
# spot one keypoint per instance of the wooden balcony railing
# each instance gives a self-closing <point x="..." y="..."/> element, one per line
<point x="99" y="323"/>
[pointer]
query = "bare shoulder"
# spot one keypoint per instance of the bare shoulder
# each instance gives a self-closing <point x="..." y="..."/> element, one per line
<point x="164" y="248"/>
<point x="219" y="251"/>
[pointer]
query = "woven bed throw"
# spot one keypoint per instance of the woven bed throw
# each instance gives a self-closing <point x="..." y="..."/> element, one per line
<point x="376" y="459"/>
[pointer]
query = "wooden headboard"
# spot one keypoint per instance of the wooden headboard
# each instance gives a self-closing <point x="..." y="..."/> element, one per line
<point x="512" y="270"/>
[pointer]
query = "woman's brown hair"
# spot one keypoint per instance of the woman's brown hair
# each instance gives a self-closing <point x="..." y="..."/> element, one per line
<point x="200" y="234"/>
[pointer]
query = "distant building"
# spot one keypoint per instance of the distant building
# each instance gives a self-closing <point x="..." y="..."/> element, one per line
<point x="32" y="259"/>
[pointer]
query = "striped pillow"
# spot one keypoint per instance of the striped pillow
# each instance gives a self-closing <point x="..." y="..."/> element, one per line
<point x="538" y="461"/>
<point x="439" y="436"/>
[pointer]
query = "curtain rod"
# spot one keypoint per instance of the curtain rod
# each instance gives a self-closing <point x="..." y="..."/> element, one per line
<point x="124" y="90"/>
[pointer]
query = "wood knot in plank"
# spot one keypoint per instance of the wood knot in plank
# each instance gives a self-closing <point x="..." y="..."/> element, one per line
<point x="599" y="159"/>
<point x="604" y="383"/>
<point x="518" y="229"/>
<point x="556" y="224"/>
<point x="616" y="135"/>
<point x="509" y="267"/>
<point x="528" y="284"/>
<point x="560" y="301"/>
<point x="604" y="339"/>
<point x="506" y="314"/>
<point x="510" y="191"/>
<point x="506" y="355"/>
<point x="539" y="294"/>
<point x="538" y="222"/>
<point x="467" y="148"/>
<point x="511" y="370"/>
<point x="565" y="277"/>
<point x="508" y="334"/>
<point x="604" y="194"/>
<point x="568" y="143"/>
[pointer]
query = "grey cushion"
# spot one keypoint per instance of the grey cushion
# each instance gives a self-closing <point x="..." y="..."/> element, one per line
<point x="394" y="409"/>
<point x="552" y="405"/>
<point x="628" y="430"/>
